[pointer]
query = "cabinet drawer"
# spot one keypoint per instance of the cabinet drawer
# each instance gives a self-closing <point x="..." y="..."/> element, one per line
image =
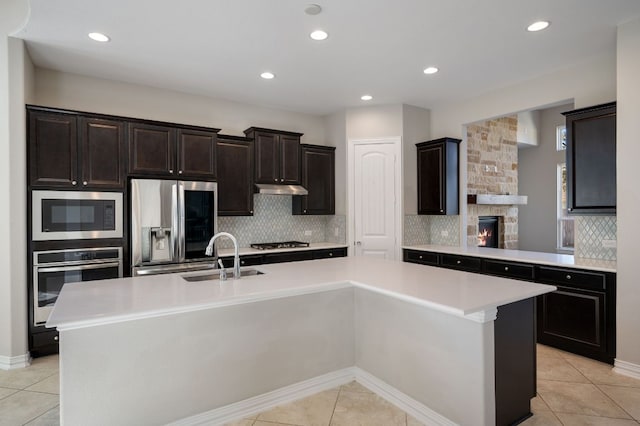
<point x="288" y="257"/>
<point x="521" y="271"/>
<point x="44" y="339"/>
<point x="572" y="278"/>
<point x="465" y="263"/>
<point x="328" y="253"/>
<point x="422" y="257"/>
<point x="244" y="260"/>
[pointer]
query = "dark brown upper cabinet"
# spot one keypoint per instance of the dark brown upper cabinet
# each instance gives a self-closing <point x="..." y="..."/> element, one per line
<point x="276" y="155"/>
<point x="591" y="160"/>
<point x="172" y="151"/>
<point x="438" y="176"/>
<point x="74" y="151"/>
<point x="235" y="176"/>
<point x="318" y="176"/>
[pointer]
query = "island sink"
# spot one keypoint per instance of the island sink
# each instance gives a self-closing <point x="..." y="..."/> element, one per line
<point x="215" y="275"/>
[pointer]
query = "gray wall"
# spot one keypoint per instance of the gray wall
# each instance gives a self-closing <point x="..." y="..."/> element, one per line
<point x="537" y="167"/>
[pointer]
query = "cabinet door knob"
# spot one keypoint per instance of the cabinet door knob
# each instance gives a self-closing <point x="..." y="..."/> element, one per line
<point x="420" y="257"/>
<point x="458" y="261"/>
<point x="84" y="183"/>
<point x="251" y="211"/>
<point x="330" y="254"/>
<point x="171" y="171"/>
<point x="441" y="211"/>
<point x="506" y="268"/>
<point x="73" y="182"/>
<point x="242" y="262"/>
<point x="275" y="180"/>
<point x="305" y="211"/>
<point x="179" y="172"/>
<point x="568" y="276"/>
<point x="56" y="338"/>
<point x="281" y="180"/>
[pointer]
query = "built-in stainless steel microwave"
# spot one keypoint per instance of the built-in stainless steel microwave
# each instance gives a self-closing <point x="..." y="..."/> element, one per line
<point x="75" y="215"/>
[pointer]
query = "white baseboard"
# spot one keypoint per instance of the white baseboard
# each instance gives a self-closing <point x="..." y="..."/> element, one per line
<point x="627" y="368"/>
<point x="421" y="412"/>
<point x="13" y="362"/>
<point x="260" y="403"/>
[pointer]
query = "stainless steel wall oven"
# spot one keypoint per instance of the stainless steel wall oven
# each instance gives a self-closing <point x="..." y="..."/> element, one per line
<point x="54" y="268"/>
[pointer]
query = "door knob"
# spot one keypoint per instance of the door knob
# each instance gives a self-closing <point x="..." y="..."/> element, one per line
<point x="358" y="243"/>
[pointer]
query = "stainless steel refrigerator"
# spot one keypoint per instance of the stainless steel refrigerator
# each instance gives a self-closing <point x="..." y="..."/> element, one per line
<point x="171" y="225"/>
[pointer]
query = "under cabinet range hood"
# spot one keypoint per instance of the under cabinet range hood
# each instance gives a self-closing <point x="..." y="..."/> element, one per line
<point x="268" y="188"/>
<point x="497" y="199"/>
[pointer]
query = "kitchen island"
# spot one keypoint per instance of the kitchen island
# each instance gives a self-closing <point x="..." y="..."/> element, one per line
<point x="160" y="349"/>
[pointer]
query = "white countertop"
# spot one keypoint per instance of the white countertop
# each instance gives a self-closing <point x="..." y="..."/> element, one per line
<point x="553" y="259"/>
<point x="244" y="251"/>
<point x="459" y="293"/>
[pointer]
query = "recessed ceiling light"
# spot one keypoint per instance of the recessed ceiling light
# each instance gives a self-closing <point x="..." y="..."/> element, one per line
<point x="430" y="70"/>
<point x="99" y="37"/>
<point x="319" y="35"/>
<point x="366" y="97"/>
<point x="538" y="26"/>
<point x="267" y="75"/>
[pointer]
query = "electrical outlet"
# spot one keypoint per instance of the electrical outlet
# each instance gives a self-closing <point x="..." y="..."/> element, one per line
<point x="444" y="233"/>
<point x="336" y="232"/>
<point x="307" y="233"/>
<point x="609" y="243"/>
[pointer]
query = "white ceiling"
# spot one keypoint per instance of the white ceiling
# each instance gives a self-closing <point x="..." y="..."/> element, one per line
<point x="218" y="48"/>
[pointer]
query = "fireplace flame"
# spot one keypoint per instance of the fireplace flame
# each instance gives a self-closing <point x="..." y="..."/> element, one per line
<point x="483" y="236"/>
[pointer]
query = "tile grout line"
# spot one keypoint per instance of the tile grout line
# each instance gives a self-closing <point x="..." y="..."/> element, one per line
<point x="614" y="402"/>
<point x="335" y="404"/>
<point x="38" y="416"/>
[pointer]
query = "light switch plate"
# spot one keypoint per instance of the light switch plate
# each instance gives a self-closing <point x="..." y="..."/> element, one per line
<point x="609" y="243"/>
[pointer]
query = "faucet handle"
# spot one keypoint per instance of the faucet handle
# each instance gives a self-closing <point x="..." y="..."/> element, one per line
<point x="223" y="272"/>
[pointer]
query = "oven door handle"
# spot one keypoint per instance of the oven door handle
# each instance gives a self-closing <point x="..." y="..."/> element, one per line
<point x="77" y="267"/>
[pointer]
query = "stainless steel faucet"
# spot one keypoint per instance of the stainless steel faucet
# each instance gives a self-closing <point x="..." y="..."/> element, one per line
<point x="236" y="255"/>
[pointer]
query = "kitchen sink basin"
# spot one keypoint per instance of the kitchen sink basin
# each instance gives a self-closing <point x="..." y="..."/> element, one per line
<point x="215" y="275"/>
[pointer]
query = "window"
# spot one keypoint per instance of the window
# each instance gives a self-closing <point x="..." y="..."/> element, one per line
<point x="565" y="222"/>
<point x="561" y="138"/>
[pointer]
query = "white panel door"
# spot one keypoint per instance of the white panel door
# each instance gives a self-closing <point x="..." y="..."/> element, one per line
<point x="374" y="196"/>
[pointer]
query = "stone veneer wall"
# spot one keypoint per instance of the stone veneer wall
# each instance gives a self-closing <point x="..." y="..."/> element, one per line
<point x="492" y="168"/>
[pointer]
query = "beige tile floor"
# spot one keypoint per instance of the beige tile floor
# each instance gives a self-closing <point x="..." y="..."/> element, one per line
<point x="572" y="391"/>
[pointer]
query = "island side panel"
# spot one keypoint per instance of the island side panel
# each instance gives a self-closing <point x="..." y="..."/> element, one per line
<point x="441" y="360"/>
<point x="162" y="369"/>
<point x="515" y="349"/>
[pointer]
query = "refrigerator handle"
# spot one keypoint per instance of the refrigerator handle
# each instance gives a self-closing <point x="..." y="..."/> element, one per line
<point x="180" y="222"/>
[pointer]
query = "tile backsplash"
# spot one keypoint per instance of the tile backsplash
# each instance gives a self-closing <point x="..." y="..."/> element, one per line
<point x="589" y="233"/>
<point x="438" y="230"/>
<point x="272" y="221"/>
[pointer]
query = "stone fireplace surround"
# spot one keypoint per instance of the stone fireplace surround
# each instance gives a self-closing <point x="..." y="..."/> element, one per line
<point x="492" y="168"/>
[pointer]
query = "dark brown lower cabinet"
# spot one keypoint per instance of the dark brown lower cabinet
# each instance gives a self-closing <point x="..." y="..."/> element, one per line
<point x="288" y="256"/>
<point x="579" y="317"/>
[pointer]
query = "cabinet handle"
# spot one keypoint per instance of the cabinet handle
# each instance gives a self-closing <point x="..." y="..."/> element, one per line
<point x="281" y="180"/>
<point x="458" y="261"/>
<point x="242" y="262"/>
<point x="441" y="211"/>
<point x="305" y="211"/>
<point x="84" y="183"/>
<point x="568" y="276"/>
<point x="74" y="183"/>
<point x="506" y="268"/>
<point x="420" y="257"/>
<point x="56" y="338"/>
<point x="251" y="211"/>
<point x="275" y="180"/>
<point x="330" y="254"/>
<point x="179" y="172"/>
